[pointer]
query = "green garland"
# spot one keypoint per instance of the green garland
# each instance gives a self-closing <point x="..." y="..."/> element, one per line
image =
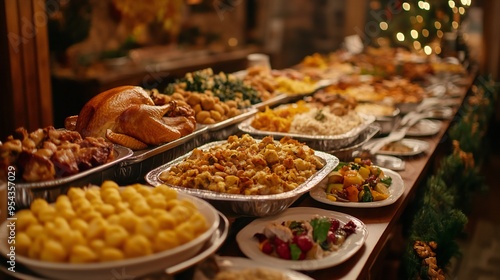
<point x="439" y="214"/>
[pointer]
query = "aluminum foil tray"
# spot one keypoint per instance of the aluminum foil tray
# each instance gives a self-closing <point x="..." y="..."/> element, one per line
<point x="135" y="167"/>
<point x="316" y="142"/>
<point x="50" y="190"/>
<point x="248" y="205"/>
<point x="387" y="123"/>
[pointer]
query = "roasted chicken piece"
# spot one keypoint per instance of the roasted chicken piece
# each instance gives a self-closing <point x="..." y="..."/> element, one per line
<point x="128" y="116"/>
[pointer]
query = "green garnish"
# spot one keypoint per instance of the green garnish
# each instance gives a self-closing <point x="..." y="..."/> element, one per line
<point x="320" y="226"/>
<point x="386" y="180"/>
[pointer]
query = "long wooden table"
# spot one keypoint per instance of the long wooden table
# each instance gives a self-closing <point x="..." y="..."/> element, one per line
<point x="380" y="222"/>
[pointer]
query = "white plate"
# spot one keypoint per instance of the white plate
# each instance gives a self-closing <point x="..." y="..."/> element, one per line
<point x="133" y="267"/>
<point x="236" y="264"/>
<point x="396" y="189"/>
<point x="417" y="147"/>
<point x="425" y="128"/>
<point x="250" y="246"/>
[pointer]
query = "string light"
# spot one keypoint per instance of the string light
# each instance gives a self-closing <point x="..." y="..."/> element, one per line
<point x="427" y="50"/>
<point x="427" y="6"/>
<point x="455" y="10"/>
<point x="437" y="49"/>
<point x="451" y="3"/>
<point x="461" y="10"/>
<point x="417" y="45"/>
<point x="400" y="36"/>
<point x="406" y="6"/>
<point x="464" y="2"/>
<point x="414" y="34"/>
<point x="437" y="24"/>
<point x="383" y="25"/>
<point x="420" y="19"/>
<point x="454" y="24"/>
<point x="439" y="34"/>
<point x="425" y="33"/>
<point x="421" y="4"/>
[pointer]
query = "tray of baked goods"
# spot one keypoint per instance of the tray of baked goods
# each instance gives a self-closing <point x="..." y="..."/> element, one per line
<point x="45" y="162"/>
<point x="247" y="176"/>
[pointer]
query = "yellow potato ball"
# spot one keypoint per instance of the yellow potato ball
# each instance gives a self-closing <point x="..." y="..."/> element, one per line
<point x="105" y="209"/>
<point x="166" y="191"/>
<point x="147" y="226"/>
<point x="75" y="193"/>
<point x="23" y="243"/>
<point x="184" y="232"/>
<point x="82" y="254"/>
<point x="141" y="208"/>
<point x="113" y="219"/>
<point x="156" y="201"/>
<point x="97" y="245"/>
<point x="68" y="213"/>
<point x="25" y="219"/>
<point x="37" y="205"/>
<point x="115" y="236"/>
<point x="34" y="230"/>
<point x="111" y="196"/>
<point x="181" y="213"/>
<point x="37" y="246"/>
<point x="90" y="215"/>
<point x="128" y="193"/>
<point x="145" y="191"/>
<point x="72" y="238"/>
<point x="137" y="246"/>
<point x="111" y="254"/>
<point x="166" y="220"/>
<point x="81" y="203"/>
<point x="198" y="223"/>
<point x="62" y="203"/>
<point x="121" y="207"/>
<point x="93" y="194"/>
<point x="47" y="214"/>
<point x="172" y="203"/>
<point x="53" y="251"/>
<point x="109" y="185"/>
<point x="128" y="220"/>
<point x="61" y="223"/>
<point x="96" y="229"/>
<point x="164" y="240"/>
<point x="80" y="225"/>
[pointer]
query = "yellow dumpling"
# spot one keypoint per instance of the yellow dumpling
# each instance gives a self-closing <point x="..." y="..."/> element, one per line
<point x="53" y="251"/>
<point x="82" y="254"/>
<point x="164" y="240"/>
<point x="115" y="236"/>
<point x="111" y="254"/>
<point x="137" y="246"/>
<point x="23" y="243"/>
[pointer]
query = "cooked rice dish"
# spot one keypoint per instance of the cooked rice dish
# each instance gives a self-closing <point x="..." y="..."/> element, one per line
<point x="323" y="122"/>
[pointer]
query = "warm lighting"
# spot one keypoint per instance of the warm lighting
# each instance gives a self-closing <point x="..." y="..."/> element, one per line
<point x="461" y="10"/>
<point x="464" y="2"/>
<point x="232" y="42"/>
<point x="421" y="4"/>
<point x="451" y="3"/>
<point x="425" y="32"/>
<point x="454" y="24"/>
<point x="420" y="19"/>
<point x="413" y="20"/>
<point x="437" y="49"/>
<point x="414" y="34"/>
<point x="427" y="6"/>
<point x="400" y="36"/>
<point x="406" y="6"/>
<point x="437" y="24"/>
<point x="427" y="50"/>
<point x="383" y="25"/>
<point x="417" y="45"/>
<point x="439" y="34"/>
<point x="455" y="10"/>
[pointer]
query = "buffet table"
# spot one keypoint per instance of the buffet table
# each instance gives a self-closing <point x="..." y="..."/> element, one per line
<point x="380" y="222"/>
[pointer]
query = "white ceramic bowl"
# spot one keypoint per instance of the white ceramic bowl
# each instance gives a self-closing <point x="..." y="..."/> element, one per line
<point x="128" y="268"/>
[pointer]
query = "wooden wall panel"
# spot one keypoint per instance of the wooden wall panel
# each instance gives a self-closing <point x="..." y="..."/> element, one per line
<point x="26" y="99"/>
